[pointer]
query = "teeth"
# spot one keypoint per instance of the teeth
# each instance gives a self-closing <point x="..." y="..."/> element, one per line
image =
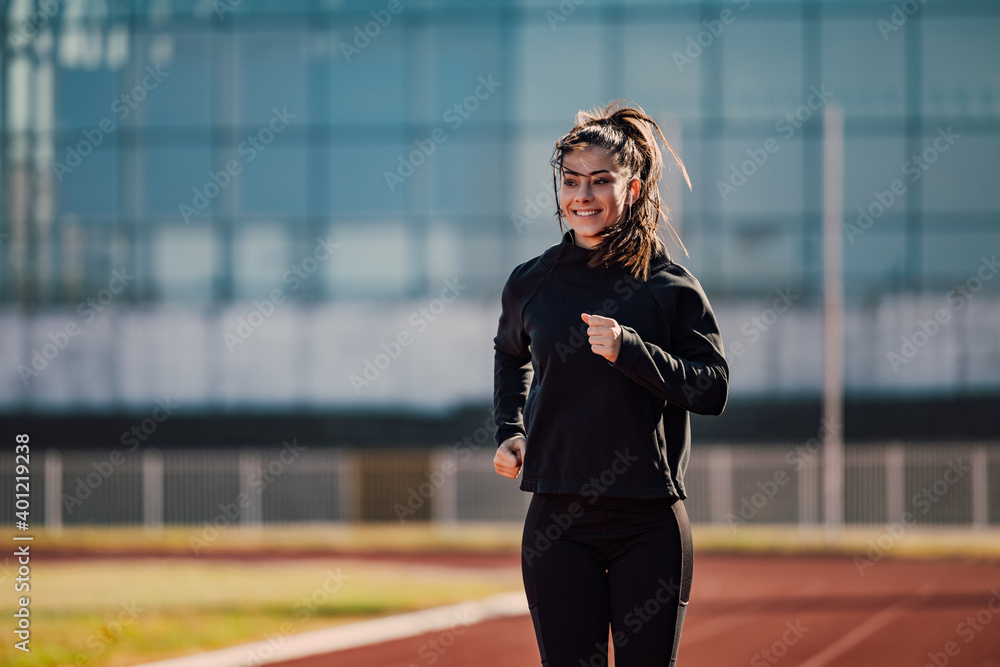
<point x="586" y="214"/>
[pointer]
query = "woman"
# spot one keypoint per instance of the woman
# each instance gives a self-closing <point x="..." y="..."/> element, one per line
<point x="603" y="348"/>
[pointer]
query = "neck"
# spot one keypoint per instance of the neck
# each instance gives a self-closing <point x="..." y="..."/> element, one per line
<point x="587" y="243"/>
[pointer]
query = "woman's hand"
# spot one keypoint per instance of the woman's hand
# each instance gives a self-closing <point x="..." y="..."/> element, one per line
<point x="510" y="456"/>
<point x="605" y="336"/>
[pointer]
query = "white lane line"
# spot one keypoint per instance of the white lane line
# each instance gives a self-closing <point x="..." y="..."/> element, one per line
<point x="867" y="628"/>
<point x="375" y="631"/>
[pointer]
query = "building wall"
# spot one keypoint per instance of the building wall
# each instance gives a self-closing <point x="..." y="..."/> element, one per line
<point x="406" y="356"/>
<point x="180" y="162"/>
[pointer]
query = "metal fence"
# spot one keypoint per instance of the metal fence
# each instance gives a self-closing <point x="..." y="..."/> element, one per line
<point x="736" y="485"/>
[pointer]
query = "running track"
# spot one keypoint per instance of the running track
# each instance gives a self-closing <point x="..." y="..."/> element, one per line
<point x="763" y="611"/>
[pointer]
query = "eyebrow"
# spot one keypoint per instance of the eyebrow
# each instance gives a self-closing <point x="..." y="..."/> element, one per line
<point x="575" y="173"/>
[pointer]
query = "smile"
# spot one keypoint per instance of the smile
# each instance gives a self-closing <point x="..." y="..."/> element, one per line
<point x="587" y="214"/>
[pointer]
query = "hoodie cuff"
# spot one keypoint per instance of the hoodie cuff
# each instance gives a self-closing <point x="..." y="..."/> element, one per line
<point x="630" y="343"/>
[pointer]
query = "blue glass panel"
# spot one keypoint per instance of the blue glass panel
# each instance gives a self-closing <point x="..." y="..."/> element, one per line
<point x="761" y="173"/>
<point x="272" y="71"/>
<point x="467" y="177"/>
<point x="959" y="170"/>
<point x="186" y="95"/>
<point x="557" y="70"/>
<point x="274" y="182"/>
<point x="874" y="177"/>
<point x="658" y="76"/>
<point x="862" y="70"/>
<point x="358" y="178"/>
<point x="761" y="254"/>
<point x="370" y="86"/>
<point x="762" y="73"/>
<point x="467" y="74"/>
<point x="176" y="176"/>
<point x="954" y="254"/>
<point x="959" y="58"/>
<point x="875" y="258"/>
<point x="84" y="98"/>
<point x="87" y="186"/>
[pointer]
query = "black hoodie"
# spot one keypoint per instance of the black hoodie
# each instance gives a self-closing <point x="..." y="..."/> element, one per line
<point x="593" y="427"/>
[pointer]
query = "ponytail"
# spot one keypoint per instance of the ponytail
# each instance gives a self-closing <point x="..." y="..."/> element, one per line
<point x="629" y="135"/>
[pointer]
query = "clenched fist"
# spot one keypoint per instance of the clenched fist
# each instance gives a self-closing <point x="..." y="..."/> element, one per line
<point x="605" y="336"/>
<point x="510" y="456"/>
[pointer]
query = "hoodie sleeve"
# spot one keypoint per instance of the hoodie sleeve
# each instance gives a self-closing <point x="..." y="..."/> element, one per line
<point x="512" y="370"/>
<point x="694" y="373"/>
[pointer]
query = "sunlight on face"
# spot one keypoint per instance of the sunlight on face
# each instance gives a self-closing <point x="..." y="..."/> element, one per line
<point x="593" y="194"/>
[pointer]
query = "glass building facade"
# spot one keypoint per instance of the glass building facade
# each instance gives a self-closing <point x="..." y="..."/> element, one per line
<point x="206" y="148"/>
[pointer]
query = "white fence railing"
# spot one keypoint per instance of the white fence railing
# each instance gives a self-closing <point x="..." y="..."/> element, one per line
<point x="952" y="485"/>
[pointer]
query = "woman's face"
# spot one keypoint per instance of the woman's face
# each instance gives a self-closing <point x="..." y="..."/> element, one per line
<point x="593" y="193"/>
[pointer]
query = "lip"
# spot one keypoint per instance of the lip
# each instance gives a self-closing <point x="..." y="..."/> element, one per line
<point x="591" y="211"/>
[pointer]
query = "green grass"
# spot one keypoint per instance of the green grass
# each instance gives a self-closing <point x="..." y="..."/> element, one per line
<point x="422" y="537"/>
<point x="318" y="538"/>
<point x="106" y="612"/>
<point x="923" y="542"/>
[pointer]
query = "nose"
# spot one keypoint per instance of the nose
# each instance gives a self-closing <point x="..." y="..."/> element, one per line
<point x="583" y="192"/>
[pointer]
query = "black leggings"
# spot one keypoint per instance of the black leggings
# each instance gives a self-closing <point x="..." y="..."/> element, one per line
<point x="593" y="562"/>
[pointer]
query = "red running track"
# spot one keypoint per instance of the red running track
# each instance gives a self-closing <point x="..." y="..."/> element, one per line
<point x="763" y="611"/>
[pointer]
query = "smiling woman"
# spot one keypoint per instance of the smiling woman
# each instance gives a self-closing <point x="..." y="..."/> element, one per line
<point x="607" y="163"/>
<point x="606" y="532"/>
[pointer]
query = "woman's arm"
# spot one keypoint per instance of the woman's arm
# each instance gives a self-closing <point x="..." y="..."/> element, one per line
<point x="694" y="374"/>
<point x="512" y="370"/>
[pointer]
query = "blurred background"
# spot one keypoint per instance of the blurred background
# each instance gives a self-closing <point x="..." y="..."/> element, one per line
<point x="251" y="252"/>
<point x="293" y="220"/>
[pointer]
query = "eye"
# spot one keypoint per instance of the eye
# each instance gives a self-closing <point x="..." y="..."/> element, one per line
<point x="569" y="182"/>
<point x="600" y="181"/>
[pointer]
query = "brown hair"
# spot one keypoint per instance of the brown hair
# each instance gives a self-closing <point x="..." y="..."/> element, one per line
<point x="627" y="134"/>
